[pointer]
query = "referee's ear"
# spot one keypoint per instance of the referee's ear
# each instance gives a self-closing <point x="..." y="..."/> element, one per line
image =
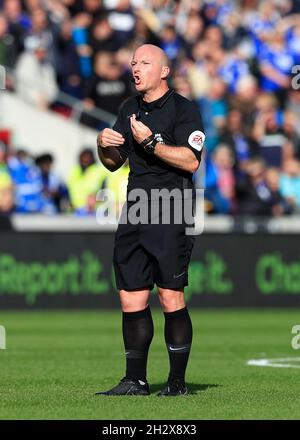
<point x="165" y="72"/>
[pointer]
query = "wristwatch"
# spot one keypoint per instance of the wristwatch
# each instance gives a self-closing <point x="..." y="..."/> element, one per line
<point x="150" y="148"/>
<point x="147" y="140"/>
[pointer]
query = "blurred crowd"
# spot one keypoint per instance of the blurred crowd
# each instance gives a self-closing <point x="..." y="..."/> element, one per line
<point x="31" y="185"/>
<point x="236" y="60"/>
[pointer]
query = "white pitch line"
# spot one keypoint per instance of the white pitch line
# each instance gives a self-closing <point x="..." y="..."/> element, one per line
<point x="277" y="363"/>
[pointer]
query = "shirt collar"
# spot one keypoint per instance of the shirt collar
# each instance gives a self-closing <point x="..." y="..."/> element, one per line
<point x="157" y="103"/>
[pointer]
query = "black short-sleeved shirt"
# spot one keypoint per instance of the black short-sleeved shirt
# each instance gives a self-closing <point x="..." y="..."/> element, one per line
<point x="175" y="121"/>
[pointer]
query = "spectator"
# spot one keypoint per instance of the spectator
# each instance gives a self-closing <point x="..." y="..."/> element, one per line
<point x="6" y="187"/>
<point x="27" y="182"/>
<point x="220" y="181"/>
<point x="280" y="205"/>
<point x="123" y="58"/>
<point x="102" y="36"/>
<point x="261" y="21"/>
<point x="231" y="68"/>
<point x="72" y="7"/>
<point x="192" y="32"/>
<point x="121" y="18"/>
<point x="200" y="72"/>
<point x="292" y="133"/>
<point x="246" y="100"/>
<point x="182" y="86"/>
<point x="290" y="27"/>
<point x="107" y="88"/>
<point x="35" y="78"/>
<point x="143" y="32"/>
<point x="253" y="194"/>
<point x="163" y="12"/>
<point x="18" y="23"/>
<point x="85" y="180"/>
<point x="234" y="135"/>
<point x="289" y="185"/>
<point x="293" y="41"/>
<point x="214" y="109"/>
<point x="213" y="36"/>
<point x="268" y="133"/>
<point x="54" y="192"/>
<point x="235" y="35"/>
<point x="80" y="37"/>
<point x="276" y="63"/>
<point x="68" y="64"/>
<point x="15" y="14"/>
<point x="92" y="7"/>
<point x="170" y="43"/>
<point x="8" y="44"/>
<point x="32" y="5"/>
<point x="293" y="104"/>
<point x="209" y="13"/>
<point x="42" y="34"/>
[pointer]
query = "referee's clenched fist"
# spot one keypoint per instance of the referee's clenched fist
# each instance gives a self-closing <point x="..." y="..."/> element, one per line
<point x="109" y="138"/>
<point x="161" y="134"/>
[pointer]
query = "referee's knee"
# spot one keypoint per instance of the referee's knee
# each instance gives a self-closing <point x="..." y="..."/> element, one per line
<point x="171" y="300"/>
<point x="134" y="301"/>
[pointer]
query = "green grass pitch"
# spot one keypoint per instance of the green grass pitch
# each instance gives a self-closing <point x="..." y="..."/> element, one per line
<point x="56" y="361"/>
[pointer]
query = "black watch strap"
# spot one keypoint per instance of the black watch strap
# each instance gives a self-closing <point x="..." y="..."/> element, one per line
<point x="147" y="140"/>
<point x="149" y="148"/>
<point x="154" y="142"/>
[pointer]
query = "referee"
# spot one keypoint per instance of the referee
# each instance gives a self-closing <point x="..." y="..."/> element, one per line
<point x="161" y="134"/>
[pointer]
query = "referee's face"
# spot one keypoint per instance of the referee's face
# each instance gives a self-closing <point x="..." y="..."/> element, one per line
<point x="148" y="68"/>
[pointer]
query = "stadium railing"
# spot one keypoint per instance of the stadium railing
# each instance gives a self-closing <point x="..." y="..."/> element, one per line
<point x="212" y="224"/>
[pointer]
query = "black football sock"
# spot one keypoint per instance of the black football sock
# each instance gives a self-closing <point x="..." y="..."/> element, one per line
<point x="137" y="335"/>
<point x="178" y="337"/>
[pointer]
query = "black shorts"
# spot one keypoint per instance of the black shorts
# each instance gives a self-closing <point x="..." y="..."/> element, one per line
<point x="148" y="254"/>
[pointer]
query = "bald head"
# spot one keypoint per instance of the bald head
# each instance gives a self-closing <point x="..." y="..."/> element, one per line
<point x="155" y="52"/>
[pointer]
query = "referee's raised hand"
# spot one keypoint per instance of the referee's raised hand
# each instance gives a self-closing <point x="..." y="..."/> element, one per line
<point x="139" y="130"/>
<point x="110" y="138"/>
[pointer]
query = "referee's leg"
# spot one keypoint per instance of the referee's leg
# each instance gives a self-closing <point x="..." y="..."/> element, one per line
<point x="178" y="334"/>
<point x="137" y="328"/>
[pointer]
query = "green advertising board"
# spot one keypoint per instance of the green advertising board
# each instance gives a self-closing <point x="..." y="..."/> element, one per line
<point x="74" y="270"/>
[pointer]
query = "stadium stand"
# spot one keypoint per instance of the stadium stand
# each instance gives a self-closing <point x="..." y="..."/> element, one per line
<point x="237" y="60"/>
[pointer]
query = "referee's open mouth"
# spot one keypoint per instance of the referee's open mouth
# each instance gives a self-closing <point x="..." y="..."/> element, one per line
<point x="137" y="80"/>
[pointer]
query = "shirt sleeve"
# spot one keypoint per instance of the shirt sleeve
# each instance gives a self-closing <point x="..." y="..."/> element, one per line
<point x="189" y="130"/>
<point x="120" y="127"/>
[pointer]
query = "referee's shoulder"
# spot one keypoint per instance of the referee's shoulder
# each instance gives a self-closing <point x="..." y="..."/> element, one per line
<point x="183" y="102"/>
<point x="129" y="104"/>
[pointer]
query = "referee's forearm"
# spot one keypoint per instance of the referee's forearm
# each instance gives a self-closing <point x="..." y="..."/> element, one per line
<point x="179" y="157"/>
<point x="110" y="157"/>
